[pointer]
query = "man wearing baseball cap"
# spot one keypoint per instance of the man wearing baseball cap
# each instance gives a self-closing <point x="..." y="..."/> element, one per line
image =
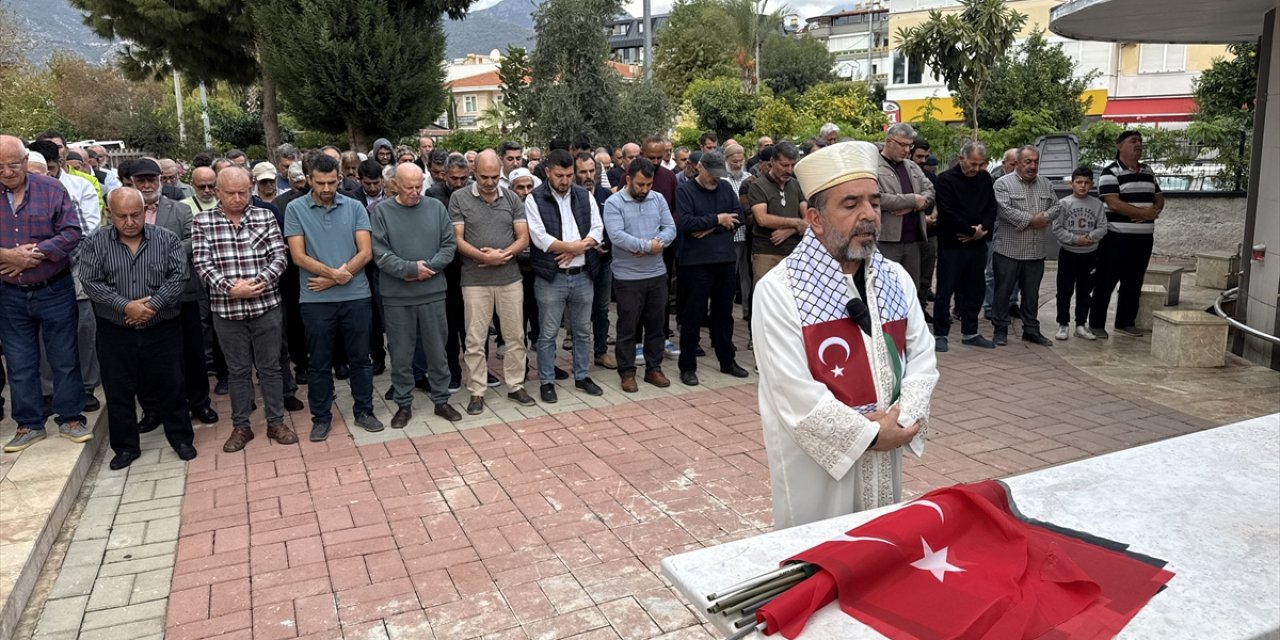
<point x="708" y="212"/>
<point x="264" y="173"/>
<point x="177" y="217"/>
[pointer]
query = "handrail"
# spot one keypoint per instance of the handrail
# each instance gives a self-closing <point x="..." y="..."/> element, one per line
<point x="1232" y="294"/>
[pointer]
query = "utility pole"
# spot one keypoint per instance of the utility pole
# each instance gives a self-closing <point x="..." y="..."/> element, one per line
<point x="204" y="117"/>
<point x="648" y="42"/>
<point x="177" y="96"/>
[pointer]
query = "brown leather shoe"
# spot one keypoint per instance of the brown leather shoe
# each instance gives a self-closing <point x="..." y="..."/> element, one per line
<point x="401" y="419"/>
<point x="282" y="433"/>
<point x="629" y="383"/>
<point x="656" y="378"/>
<point x="239" y="438"/>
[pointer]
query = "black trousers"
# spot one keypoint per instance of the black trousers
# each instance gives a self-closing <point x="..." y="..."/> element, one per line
<point x="377" y="330"/>
<point x="1025" y="276"/>
<point x="1075" y="275"/>
<point x="700" y="283"/>
<point x="642" y="307"/>
<point x="194" y="373"/>
<point x="143" y="366"/>
<point x="295" y="333"/>
<point x="961" y="272"/>
<point x="456" y="338"/>
<point x="1123" y="260"/>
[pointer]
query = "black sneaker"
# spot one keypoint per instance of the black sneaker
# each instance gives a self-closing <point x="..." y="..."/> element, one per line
<point x="423" y="383"/>
<point x="494" y="381"/>
<point x="91" y="403"/>
<point x="561" y="374"/>
<point x="978" y="341"/>
<point x="1036" y="338"/>
<point x="320" y="431"/>
<point x="520" y="396"/>
<point x="1100" y="333"/>
<point x="1131" y="331"/>
<point x="291" y="403"/>
<point x="455" y="385"/>
<point x="391" y="392"/>
<point x="589" y="385"/>
<point x="1001" y="338"/>
<point x="341" y="372"/>
<point x="379" y="368"/>
<point x="221" y="388"/>
<point x="548" y="393"/>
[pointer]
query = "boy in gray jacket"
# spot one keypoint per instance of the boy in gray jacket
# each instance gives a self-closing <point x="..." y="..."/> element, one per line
<point x="1081" y="223"/>
<point x="413" y="241"/>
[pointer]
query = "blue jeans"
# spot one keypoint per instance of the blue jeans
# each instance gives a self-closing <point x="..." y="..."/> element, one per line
<point x="576" y="293"/>
<point x="603" y="291"/>
<point x="323" y="321"/>
<point x="25" y="317"/>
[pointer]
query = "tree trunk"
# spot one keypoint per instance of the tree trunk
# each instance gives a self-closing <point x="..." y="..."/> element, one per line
<point x="270" y="115"/>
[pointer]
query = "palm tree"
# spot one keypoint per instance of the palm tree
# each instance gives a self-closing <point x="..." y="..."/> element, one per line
<point x="751" y="25"/>
<point x="498" y="118"/>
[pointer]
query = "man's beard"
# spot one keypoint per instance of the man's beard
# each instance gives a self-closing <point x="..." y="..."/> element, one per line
<point x="846" y="249"/>
<point x="638" y="198"/>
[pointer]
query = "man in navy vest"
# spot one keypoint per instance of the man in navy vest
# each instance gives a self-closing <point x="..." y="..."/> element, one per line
<point x="565" y="227"/>
<point x="585" y="175"/>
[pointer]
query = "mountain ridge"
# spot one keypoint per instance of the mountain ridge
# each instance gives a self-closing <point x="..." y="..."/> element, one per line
<point x="55" y="26"/>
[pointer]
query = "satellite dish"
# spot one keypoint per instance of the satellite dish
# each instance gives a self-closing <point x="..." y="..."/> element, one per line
<point x="495" y="54"/>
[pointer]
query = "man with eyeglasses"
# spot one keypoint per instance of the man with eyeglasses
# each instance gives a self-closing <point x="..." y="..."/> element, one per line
<point x="906" y="197"/>
<point x="37" y="296"/>
<point x="203" y="182"/>
<point x="171" y="178"/>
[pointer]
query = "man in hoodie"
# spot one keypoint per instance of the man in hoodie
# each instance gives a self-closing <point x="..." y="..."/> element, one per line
<point x="383" y="152"/>
<point x="413" y="242"/>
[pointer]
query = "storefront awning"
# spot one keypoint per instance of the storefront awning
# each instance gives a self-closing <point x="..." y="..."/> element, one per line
<point x="1150" y="110"/>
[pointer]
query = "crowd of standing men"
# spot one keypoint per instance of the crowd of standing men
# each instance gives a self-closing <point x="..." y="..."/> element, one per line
<point x="325" y="263"/>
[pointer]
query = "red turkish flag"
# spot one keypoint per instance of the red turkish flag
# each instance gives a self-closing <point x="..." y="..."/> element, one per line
<point x="837" y="358"/>
<point x="958" y="563"/>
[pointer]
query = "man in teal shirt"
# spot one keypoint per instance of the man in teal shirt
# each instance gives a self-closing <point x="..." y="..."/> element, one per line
<point x="330" y="241"/>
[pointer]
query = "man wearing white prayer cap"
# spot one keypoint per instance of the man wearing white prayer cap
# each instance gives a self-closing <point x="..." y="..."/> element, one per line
<point x="847" y="365"/>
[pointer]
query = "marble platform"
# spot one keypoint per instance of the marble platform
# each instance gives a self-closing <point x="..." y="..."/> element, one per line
<point x="1167" y="499"/>
<point x="1189" y="338"/>
<point x="1152" y="298"/>
<point x="1214" y="269"/>
<point x="37" y="488"/>
<point x="1170" y="277"/>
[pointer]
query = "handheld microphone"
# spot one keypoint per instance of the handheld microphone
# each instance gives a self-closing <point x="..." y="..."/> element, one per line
<point x="858" y="312"/>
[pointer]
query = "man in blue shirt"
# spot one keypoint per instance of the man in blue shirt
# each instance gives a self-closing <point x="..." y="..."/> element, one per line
<point x="640" y="226"/>
<point x="330" y="240"/>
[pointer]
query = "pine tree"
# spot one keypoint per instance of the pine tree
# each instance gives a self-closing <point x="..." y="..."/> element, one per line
<point x="368" y="67"/>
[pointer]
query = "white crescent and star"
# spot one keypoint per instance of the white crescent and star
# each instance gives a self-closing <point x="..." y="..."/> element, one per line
<point x="927" y="503"/>
<point x="935" y="562"/>
<point x="833" y="340"/>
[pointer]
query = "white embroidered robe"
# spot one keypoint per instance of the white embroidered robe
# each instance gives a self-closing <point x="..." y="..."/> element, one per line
<point x="819" y="462"/>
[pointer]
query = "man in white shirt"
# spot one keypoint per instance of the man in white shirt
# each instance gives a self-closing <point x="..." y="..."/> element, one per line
<point x="565" y="228"/>
<point x="83" y="195"/>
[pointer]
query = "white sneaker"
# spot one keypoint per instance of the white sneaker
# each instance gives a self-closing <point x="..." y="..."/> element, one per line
<point x="672" y="350"/>
<point x="639" y="354"/>
<point x="1084" y="332"/>
<point x="1063" y="332"/>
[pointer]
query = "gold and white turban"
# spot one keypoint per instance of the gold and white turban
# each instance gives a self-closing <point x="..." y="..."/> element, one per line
<point x="836" y="164"/>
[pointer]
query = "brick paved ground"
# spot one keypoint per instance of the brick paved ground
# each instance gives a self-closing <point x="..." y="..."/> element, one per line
<point x="554" y="527"/>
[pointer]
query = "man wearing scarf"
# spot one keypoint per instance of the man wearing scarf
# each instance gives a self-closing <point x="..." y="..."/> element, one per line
<point x="846" y="359"/>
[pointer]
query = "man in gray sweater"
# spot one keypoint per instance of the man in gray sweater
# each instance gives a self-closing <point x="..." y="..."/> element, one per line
<point x="413" y="241"/>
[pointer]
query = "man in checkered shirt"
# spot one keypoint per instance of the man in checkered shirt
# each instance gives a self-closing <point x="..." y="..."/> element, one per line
<point x="239" y="254"/>
<point x="1023" y="199"/>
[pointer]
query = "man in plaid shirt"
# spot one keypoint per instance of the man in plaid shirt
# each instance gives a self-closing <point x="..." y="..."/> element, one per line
<point x="239" y="253"/>
<point x="1025" y="202"/>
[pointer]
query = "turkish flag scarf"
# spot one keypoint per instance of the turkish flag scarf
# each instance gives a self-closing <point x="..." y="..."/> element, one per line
<point x="838" y="355"/>
<point x="961" y="563"/>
